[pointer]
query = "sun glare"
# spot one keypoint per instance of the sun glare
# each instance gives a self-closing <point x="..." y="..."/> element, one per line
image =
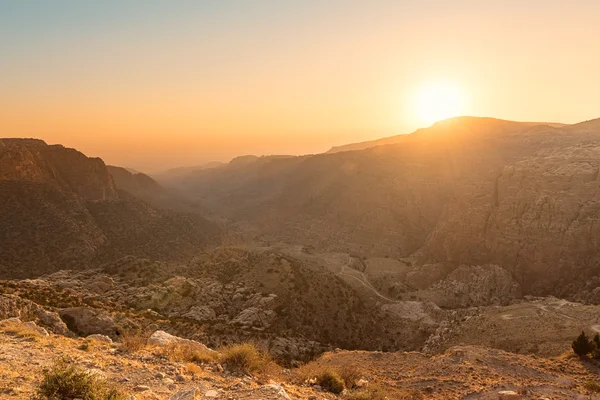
<point x="436" y="102"/>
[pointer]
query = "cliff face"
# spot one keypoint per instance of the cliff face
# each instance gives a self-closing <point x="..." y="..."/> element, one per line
<point x="68" y="169"/>
<point x="61" y="209"/>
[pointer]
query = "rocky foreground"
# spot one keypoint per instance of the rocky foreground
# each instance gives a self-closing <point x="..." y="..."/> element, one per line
<point x="148" y="371"/>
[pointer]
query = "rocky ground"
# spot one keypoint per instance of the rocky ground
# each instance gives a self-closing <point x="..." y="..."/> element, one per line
<point x="300" y="304"/>
<point x="462" y="372"/>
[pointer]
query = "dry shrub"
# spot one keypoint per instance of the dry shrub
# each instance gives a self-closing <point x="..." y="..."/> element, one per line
<point x="19" y="330"/>
<point x="64" y="380"/>
<point x="87" y="345"/>
<point x="410" y="394"/>
<point x="331" y="381"/>
<point x="592" y="386"/>
<point x="246" y="359"/>
<point x="350" y="374"/>
<point x="377" y="392"/>
<point x="187" y="353"/>
<point x="132" y="342"/>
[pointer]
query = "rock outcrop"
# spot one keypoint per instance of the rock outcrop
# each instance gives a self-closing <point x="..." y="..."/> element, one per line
<point x="85" y="321"/>
<point x="472" y="286"/>
<point x="12" y="306"/>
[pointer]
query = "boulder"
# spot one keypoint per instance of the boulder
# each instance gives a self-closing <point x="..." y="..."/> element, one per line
<point x="201" y="313"/>
<point x="86" y="321"/>
<point x="508" y="395"/>
<point x="162" y="339"/>
<point x="100" y="338"/>
<point x="34" y="327"/>
<point x="254" y="317"/>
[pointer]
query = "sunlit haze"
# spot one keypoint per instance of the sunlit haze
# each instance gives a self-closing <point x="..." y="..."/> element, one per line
<point x="159" y="84"/>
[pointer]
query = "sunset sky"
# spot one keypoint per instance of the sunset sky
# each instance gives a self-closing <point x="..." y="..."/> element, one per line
<point x="157" y="84"/>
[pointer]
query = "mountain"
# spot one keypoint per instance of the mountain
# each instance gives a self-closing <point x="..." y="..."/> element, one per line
<point x="62" y="209"/>
<point x="466" y="191"/>
<point x="402" y="138"/>
<point x="174" y="173"/>
<point x="147" y="189"/>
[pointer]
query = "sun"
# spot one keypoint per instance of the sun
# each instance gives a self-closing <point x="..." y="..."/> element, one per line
<point x="436" y="102"/>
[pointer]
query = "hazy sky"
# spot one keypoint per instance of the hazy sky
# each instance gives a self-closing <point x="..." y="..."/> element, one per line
<point x="154" y="84"/>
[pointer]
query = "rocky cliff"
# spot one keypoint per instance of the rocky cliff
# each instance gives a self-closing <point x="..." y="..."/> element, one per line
<point x="62" y="209"/>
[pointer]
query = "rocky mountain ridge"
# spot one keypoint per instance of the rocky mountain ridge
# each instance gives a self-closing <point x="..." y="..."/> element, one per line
<point x="62" y="209"/>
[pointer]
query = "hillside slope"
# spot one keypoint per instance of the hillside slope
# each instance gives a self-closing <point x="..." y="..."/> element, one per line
<point x="61" y="209"/>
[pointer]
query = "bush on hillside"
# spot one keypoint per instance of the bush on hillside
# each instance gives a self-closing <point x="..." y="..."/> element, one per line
<point x="582" y="345"/>
<point x="64" y="380"/>
<point x="245" y="359"/>
<point x="330" y="380"/>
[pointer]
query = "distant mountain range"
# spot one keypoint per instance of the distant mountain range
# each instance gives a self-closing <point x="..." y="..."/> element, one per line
<point x="401" y="138"/>
<point x="464" y="191"/>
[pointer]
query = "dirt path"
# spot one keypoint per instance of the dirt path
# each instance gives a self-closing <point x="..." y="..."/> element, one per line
<point x="363" y="281"/>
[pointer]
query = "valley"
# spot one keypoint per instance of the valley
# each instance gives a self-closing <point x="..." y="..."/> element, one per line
<point x="474" y="232"/>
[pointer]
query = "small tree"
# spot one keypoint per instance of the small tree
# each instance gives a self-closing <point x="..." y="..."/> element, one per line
<point x="582" y="345"/>
<point x="596" y="345"/>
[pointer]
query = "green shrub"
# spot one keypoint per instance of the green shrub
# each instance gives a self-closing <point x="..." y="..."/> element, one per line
<point x="330" y="380"/>
<point x="64" y="380"/>
<point x="582" y="345"/>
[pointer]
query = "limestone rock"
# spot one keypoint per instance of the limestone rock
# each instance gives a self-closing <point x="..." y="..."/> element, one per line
<point x="100" y="338"/>
<point x="33" y="326"/>
<point x="162" y="339"/>
<point x="201" y="313"/>
<point x="254" y="317"/>
<point x="508" y="395"/>
<point x="187" y="394"/>
<point x="86" y="321"/>
<point x="15" y="306"/>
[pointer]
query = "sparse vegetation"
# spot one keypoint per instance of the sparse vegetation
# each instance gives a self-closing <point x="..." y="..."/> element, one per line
<point x="246" y="359"/>
<point x="65" y="380"/>
<point x="187" y="353"/>
<point x="19" y="330"/>
<point x="371" y="393"/>
<point x="350" y="374"/>
<point x="133" y="341"/>
<point x="332" y="378"/>
<point x="592" y="386"/>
